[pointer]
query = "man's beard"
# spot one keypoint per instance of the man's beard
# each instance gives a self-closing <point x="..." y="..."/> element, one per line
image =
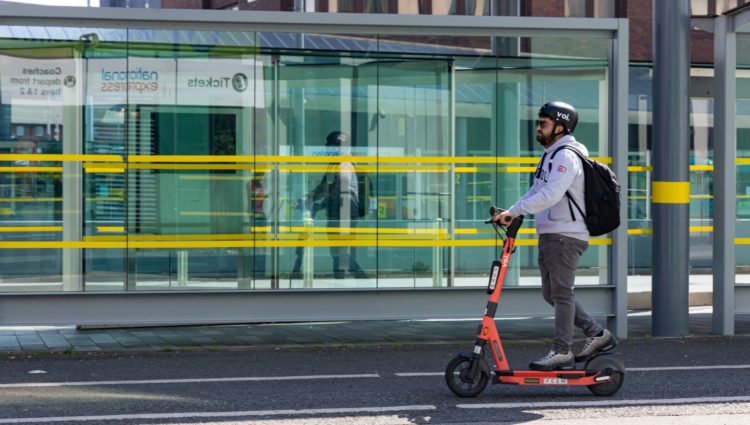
<point x="542" y="139"/>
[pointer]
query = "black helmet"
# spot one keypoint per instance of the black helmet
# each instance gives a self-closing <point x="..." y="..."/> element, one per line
<point x="560" y="112"/>
<point x="337" y="138"/>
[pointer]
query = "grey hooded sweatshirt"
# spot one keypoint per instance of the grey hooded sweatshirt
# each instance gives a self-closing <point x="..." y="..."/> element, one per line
<point x="546" y="199"/>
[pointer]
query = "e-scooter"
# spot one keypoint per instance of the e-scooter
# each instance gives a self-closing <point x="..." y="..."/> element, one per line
<point x="468" y="373"/>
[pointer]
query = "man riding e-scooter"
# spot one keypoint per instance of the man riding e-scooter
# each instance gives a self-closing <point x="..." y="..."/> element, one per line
<point x="563" y="236"/>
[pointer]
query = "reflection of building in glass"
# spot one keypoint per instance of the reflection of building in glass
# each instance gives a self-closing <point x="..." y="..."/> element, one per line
<point x="153" y="4"/>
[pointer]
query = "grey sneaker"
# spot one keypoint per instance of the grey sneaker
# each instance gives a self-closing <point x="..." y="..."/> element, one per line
<point x="554" y="361"/>
<point x="596" y="344"/>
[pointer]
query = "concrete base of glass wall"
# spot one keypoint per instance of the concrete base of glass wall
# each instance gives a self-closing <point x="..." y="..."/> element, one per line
<point x="146" y="309"/>
<point x="742" y="299"/>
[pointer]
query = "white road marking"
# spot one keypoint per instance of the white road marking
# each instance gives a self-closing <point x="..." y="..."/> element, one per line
<point x="183" y="415"/>
<point x="606" y="403"/>
<point x="627" y="369"/>
<point x="310" y="377"/>
<point x="651" y="369"/>
<point x="189" y="381"/>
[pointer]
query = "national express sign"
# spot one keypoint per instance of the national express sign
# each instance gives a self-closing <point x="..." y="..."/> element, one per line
<point x="148" y="81"/>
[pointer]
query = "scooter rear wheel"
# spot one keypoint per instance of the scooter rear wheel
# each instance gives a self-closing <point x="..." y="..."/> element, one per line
<point x="612" y="365"/>
<point x="458" y="379"/>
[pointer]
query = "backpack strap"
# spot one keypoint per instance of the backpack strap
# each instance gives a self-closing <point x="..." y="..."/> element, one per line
<point x="538" y="171"/>
<point x="567" y="194"/>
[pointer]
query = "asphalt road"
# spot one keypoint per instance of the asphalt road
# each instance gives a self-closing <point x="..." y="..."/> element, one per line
<point x="685" y="381"/>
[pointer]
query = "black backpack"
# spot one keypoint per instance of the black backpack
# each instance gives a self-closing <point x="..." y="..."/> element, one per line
<point x="364" y="190"/>
<point x="601" y="194"/>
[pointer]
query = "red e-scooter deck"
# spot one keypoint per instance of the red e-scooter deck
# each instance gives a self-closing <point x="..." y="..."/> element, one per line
<point x="468" y="373"/>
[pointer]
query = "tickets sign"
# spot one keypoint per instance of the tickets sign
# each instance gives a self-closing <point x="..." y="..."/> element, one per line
<point x="225" y="82"/>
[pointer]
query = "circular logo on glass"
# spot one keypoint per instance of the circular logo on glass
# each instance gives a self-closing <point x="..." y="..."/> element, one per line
<point x="239" y="82"/>
<point x="69" y="81"/>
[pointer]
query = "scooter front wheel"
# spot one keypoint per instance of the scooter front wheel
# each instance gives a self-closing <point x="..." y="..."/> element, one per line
<point x="459" y="378"/>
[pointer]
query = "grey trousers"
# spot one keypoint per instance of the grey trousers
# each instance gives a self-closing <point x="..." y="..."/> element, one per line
<point x="558" y="260"/>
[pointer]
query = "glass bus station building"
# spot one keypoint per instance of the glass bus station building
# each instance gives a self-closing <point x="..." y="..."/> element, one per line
<point x="159" y="167"/>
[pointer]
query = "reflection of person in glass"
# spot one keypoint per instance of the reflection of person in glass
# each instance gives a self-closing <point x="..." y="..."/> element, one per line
<point x="256" y="198"/>
<point x="339" y="193"/>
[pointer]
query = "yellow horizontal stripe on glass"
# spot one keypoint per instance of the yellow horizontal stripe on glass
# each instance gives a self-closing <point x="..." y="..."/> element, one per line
<point x="402" y="159"/>
<point x="60" y="157"/>
<point x="667" y="192"/>
<point x="31" y="169"/>
<point x="691" y="229"/>
<point x="300" y="230"/>
<point x="326" y="159"/>
<point x="60" y="244"/>
<point x="742" y="241"/>
<point x="251" y="237"/>
<point x="93" y="167"/>
<point x="99" y="170"/>
<point x="395" y="243"/>
<point x="249" y="167"/>
<point x="110" y="199"/>
<point x="110" y="229"/>
<point x="743" y="161"/>
<point x="519" y="169"/>
<point x="194" y="237"/>
<point x="335" y="158"/>
<point x="373" y="230"/>
<point x="525" y="231"/>
<point x="30" y="199"/>
<point x="106" y="199"/>
<point x="367" y="237"/>
<point x="23" y="229"/>
<point x="167" y="238"/>
<point x="213" y="159"/>
<point x="291" y="168"/>
<point x="691" y="197"/>
<point x="646" y="168"/>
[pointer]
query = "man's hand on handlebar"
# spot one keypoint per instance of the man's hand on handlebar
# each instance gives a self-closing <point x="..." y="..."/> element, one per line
<point x="504" y="218"/>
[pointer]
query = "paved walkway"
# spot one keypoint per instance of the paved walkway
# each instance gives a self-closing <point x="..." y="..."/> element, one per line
<point x="46" y="339"/>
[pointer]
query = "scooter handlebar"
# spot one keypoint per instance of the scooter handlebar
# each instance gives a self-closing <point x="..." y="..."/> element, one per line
<point x="512" y="224"/>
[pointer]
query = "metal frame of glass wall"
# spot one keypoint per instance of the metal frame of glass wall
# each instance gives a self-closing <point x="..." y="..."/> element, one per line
<point x="729" y="296"/>
<point x="607" y="299"/>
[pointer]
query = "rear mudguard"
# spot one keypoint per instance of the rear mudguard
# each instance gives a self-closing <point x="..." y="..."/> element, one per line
<point x="604" y="361"/>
